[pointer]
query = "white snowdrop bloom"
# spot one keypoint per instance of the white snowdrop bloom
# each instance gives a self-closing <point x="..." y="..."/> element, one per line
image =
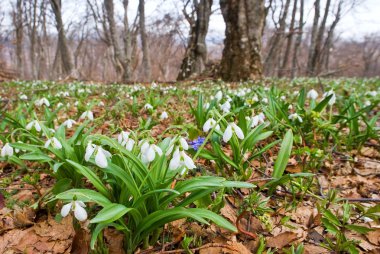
<point x="231" y="129"/>
<point x="312" y="94"/>
<point x="54" y="142"/>
<point x="290" y="107"/>
<point x="264" y="100"/>
<point x="125" y="140"/>
<point x="183" y="143"/>
<point x="226" y="107"/>
<point x="266" y="88"/>
<point x="148" y="106"/>
<point x="69" y="123"/>
<point x="209" y="124"/>
<point x="41" y="102"/>
<point x="164" y="115"/>
<point x="104" y="94"/>
<point x="181" y="159"/>
<point x="333" y="98"/>
<point x="367" y="220"/>
<point x="148" y="152"/>
<point x="76" y="103"/>
<point x="87" y="114"/>
<point x="7" y="150"/>
<point x="283" y="97"/>
<point x="219" y="95"/>
<point x="294" y="117"/>
<point x="65" y="94"/>
<point x="296" y="93"/>
<point x="255" y="98"/>
<point x="101" y="104"/>
<point x="78" y="208"/>
<point x="23" y="97"/>
<point x="206" y="106"/>
<point x="34" y="124"/>
<point x="256" y="120"/>
<point x="101" y="155"/>
<point x="59" y="104"/>
<point x="154" y="85"/>
<point x="367" y="103"/>
<point x="372" y="93"/>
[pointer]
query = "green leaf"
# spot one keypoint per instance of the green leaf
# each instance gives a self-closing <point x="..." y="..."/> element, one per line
<point x="359" y="229"/>
<point x="35" y="156"/>
<point x="110" y="213"/>
<point x="61" y="186"/>
<point x="84" y="195"/>
<point x="331" y="217"/>
<point x="283" y="155"/>
<point x="320" y="106"/>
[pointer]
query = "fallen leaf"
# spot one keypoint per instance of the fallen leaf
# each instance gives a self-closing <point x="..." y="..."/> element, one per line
<point x="229" y="248"/>
<point x="281" y="240"/>
<point x="374" y="237"/>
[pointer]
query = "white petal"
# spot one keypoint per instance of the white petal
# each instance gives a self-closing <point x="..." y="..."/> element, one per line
<point x="29" y="125"/>
<point x="238" y="131"/>
<point x="80" y="213"/>
<point x="175" y="162"/>
<point x="89" y="151"/>
<point x="158" y="150"/>
<point x="188" y="161"/>
<point x="37" y="126"/>
<point x="183" y="143"/>
<point x="80" y="203"/>
<point x="47" y="143"/>
<point x="150" y="153"/>
<point x="90" y="115"/>
<point x="66" y="209"/>
<point x="227" y="134"/>
<point x="56" y="143"/>
<point x="207" y="125"/>
<point x="130" y="144"/>
<point x="101" y="159"/>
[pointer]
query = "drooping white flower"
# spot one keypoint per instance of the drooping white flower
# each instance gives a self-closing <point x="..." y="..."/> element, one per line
<point x="264" y="100"/>
<point x="367" y="103"/>
<point x="183" y="143"/>
<point x="181" y="159"/>
<point x="230" y="130"/>
<point x="148" y="152"/>
<point x="41" y="102"/>
<point x="283" y="97"/>
<point x="78" y="208"/>
<point x="54" y="142"/>
<point x="206" y="106"/>
<point x="209" y="124"/>
<point x="87" y="114"/>
<point x="164" y="115"/>
<point x="59" y="104"/>
<point x="372" y="93"/>
<point x="148" y="106"/>
<point x="312" y="94"/>
<point x="295" y="116"/>
<point x="257" y="119"/>
<point x="23" y="97"/>
<point x="69" y="123"/>
<point x="226" y="107"/>
<point x="7" y="150"/>
<point x="125" y="140"/>
<point x="34" y="124"/>
<point x="101" y="155"/>
<point x="101" y="104"/>
<point x="219" y="95"/>
<point x="333" y="98"/>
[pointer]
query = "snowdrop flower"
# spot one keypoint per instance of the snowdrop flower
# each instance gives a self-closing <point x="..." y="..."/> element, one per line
<point x="232" y="128"/>
<point x="283" y="97"/>
<point x="294" y="117"/>
<point x="34" y="124"/>
<point x="76" y="103"/>
<point x="125" y="140"/>
<point x="23" y="97"/>
<point x="255" y="98"/>
<point x="290" y="107"/>
<point x="41" y="102"/>
<point x="59" y="104"/>
<point x="333" y="98"/>
<point x="101" y="104"/>
<point x="164" y="115"/>
<point x="206" y="106"/>
<point x="256" y="120"/>
<point x="226" y="107"/>
<point x="367" y="103"/>
<point x="69" y="123"/>
<point x="148" y="106"/>
<point x="87" y="114"/>
<point x="181" y="159"/>
<point x="154" y="85"/>
<point x="264" y="100"/>
<point x="7" y="150"/>
<point x="312" y="94"/>
<point x="372" y="93"/>
<point x="78" y="208"/>
<point x="219" y="95"/>
<point x="54" y="143"/>
<point x="101" y="155"/>
<point x="148" y="152"/>
<point x="209" y="124"/>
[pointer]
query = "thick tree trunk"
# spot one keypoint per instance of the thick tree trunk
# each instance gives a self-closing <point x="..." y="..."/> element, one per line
<point x="298" y="41"/>
<point x="272" y="59"/>
<point x="18" y="23"/>
<point x="66" y="59"/>
<point x="127" y="45"/>
<point x="195" y="58"/>
<point x="313" y="42"/>
<point x="241" y="58"/>
<point x="147" y="72"/>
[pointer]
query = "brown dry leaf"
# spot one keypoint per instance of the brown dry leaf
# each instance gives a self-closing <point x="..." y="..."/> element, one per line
<point x="24" y="217"/>
<point x="370" y="152"/>
<point x="281" y="240"/>
<point x="228" y="212"/>
<point x="114" y="240"/>
<point x="314" y="249"/>
<point x="229" y="248"/>
<point x="374" y="237"/>
<point x="81" y="242"/>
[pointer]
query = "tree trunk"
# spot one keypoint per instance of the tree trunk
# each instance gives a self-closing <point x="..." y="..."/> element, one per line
<point x="241" y="59"/>
<point x="144" y="43"/>
<point x="193" y="64"/>
<point x="18" y="23"/>
<point x="67" y="62"/>
<point x="127" y="45"/>
<point x="298" y="41"/>
<point x="289" y="42"/>
<point x="275" y="43"/>
<point x="313" y="42"/>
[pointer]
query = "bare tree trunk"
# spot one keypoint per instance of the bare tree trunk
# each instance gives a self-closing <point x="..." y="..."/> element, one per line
<point x="289" y="42"/>
<point x="127" y="45"/>
<point x="193" y="64"/>
<point x="244" y="20"/>
<point x="313" y="42"/>
<point x="147" y="72"/>
<point x="65" y="54"/>
<point x="18" y="23"/>
<point x="298" y="40"/>
<point x="275" y="43"/>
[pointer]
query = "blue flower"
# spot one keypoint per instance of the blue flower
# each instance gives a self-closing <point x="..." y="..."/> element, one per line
<point x="196" y="143"/>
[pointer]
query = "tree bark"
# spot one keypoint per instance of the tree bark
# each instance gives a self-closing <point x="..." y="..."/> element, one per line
<point x="313" y="40"/>
<point x="241" y="59"/>
<point x="193" y="64"/>
<point x="144" y="43"/>
<point x="298" y="41"/>
<point x="65" y="54"/>
<point x="18" y="23"/>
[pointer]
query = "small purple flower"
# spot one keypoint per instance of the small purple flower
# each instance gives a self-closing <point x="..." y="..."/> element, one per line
<point x="196" y="143"/>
